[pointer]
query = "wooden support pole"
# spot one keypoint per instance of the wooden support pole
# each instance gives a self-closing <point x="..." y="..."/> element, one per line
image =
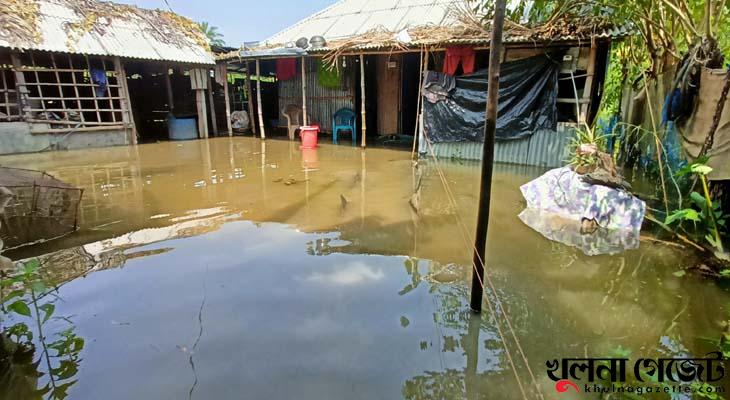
<point x="588" y="87"/>
<point x="168" y="87"/>
<point x="20" y="85"/>
<point x="202" y="113"/>
<point x="418" y="105"/>
<point x="258" y="100"/>
<point x="421" y="133"/>
<point x="228" y="100"/>
<point x="126" y="100"/>
<point x="212" y="105"/>
<point x="363" y="123"/>
<point x="304" y="92"/>
<point x="249" y="98"/>
<point x="490" y="127"/>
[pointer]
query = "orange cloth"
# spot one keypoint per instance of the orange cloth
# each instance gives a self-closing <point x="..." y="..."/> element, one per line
<point x="456" y="55"/>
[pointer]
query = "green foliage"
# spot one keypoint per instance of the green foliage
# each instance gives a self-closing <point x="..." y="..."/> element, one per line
<point x="21" y="295"/>
<point x="215" y="38"/>
<point x="706" y="216"/>
<point x="585" y="136"/>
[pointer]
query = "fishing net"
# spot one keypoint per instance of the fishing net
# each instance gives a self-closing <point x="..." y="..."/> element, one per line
<point x="35" y="206"/>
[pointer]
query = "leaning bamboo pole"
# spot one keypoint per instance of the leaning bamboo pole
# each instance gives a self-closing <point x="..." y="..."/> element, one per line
<point x="249" y="99"/>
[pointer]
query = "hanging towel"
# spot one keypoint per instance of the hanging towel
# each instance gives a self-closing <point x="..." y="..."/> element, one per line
<point x="328" y="78"/>
<point x="456" y="55"/>
<point x="286" y="68"/>
<point x="98" y="78"/>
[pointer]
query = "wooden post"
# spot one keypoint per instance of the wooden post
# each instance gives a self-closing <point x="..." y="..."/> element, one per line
<point x="20" y="86"/>
<point x="258" y="100"/>
<point x="228" y="100"/>
<point x="418" y="105"/>
<point x="588" y="87"/>
<point x="249" y="96"/>
<point x="126" y="100"/>
<point x="202" y="113"/>
<point x="212" y="105"/>
<point x="490" y="127"/>
<point x="363" y="127"/>
<point x="421" y="133"/>
<point x="168" y="86"/>
<point x="304" y="91"/>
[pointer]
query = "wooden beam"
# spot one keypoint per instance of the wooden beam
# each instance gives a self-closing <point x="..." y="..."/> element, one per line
<point x="304" y="91"/>
<point x="126" y="101"/>
<point x="588" y="88"/>
<point x="228" y="102"/>
<point x="168" y="87"/>
<point x="202" y="113"/>
<point x="20" y="86"/>
<point x="258" y="100"/>
<point x="212" y="106"/>
<point x="249" y="97"/>
<point x="363" y="127"/>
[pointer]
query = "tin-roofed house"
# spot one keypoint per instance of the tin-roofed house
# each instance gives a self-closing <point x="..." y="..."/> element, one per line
<point x="378" y="58"/>
<point x="80" y="74"/>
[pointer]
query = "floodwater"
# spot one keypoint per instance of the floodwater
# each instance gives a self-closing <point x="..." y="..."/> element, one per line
<point x="235" y="268"/>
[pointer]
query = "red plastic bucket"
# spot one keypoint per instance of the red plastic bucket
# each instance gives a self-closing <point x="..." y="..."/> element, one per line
<point x="309" y="136"/>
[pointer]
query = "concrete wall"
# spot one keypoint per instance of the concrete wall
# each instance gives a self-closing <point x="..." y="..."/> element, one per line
<point x="17" y="137"/>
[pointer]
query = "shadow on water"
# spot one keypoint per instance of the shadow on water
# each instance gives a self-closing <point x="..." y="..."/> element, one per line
<point x="216" y="268"/>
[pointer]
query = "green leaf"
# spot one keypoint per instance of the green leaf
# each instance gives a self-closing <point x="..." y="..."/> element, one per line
<point x="698" y="200"/>
<point x="701" y="169"/>
<point x="48" y="309"/>
<point x="682" y="215"/>
<point x="12" y="295"/>
<point x="680" y="273"/>
<point x="38" y="287"/>
<point x="19" y="307"/>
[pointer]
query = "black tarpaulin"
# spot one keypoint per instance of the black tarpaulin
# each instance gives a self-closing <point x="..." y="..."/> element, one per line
<point x="528" y="89"/>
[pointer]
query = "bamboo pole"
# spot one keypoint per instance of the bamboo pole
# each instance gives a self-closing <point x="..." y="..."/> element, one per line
<point x="212" y="105"/>
<point x="21" y="87"/>
<point x="490" y="127"/>
<point x="202" y="113"/>
<point x="249" y="98"/>
<point x="421" y="135"/>
<point x="126" y="101"/>
<point x="168" y="87"/>
<point x="228" y="101"/>
<point x="588" y="87"/>
<point x="418" y="106"/>
<point x="363" y="124"/>
<point x="304" y="92"/>
<point x="258" y="100"/>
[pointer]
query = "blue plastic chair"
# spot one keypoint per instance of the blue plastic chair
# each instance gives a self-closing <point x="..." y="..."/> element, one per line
<point x="344" y="120"/>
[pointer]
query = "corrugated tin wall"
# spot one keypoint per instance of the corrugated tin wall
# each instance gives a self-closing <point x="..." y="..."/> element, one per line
<point x="322" y="103"/>
<point x="542" y="149"/>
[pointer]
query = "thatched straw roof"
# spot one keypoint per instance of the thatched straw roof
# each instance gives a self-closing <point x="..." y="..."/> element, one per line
<point x="101" y="28"/>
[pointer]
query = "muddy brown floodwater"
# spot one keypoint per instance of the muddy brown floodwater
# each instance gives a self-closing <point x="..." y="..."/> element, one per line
<point x="235" y="268"/>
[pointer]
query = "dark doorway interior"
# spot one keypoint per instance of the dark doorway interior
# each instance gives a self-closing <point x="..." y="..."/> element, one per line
<point x="409" y="92"/>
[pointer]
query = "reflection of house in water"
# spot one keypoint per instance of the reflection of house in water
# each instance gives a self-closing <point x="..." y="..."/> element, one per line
<point x="90" y="74"/>
<point x="65" y="265"/>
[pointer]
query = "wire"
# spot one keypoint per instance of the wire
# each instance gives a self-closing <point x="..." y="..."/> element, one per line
<point x="168" y="6"/>
<point x="464" y="231"/>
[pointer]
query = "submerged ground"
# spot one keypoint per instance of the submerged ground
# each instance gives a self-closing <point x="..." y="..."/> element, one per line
<point x="235" y="268"/>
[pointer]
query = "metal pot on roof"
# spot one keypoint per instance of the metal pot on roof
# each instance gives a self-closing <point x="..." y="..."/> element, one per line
<point x="302" y="43"/>
<point x="317" y="42"/>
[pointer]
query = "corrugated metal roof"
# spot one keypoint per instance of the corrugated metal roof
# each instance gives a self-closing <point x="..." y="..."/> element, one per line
<point x="352" y="17"/>
<point x="123" y="38"/>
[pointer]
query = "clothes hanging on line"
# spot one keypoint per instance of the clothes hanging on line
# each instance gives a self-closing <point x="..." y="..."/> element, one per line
<point x="456" y="55"/>
<point x="286" y="68"/>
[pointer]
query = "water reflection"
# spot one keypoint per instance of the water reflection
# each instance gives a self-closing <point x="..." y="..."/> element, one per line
<point x="344" y="276"/>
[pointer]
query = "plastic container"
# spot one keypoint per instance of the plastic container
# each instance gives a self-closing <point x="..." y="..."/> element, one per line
<point x="182" y="128"/>
<point x="309" y="136"/>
